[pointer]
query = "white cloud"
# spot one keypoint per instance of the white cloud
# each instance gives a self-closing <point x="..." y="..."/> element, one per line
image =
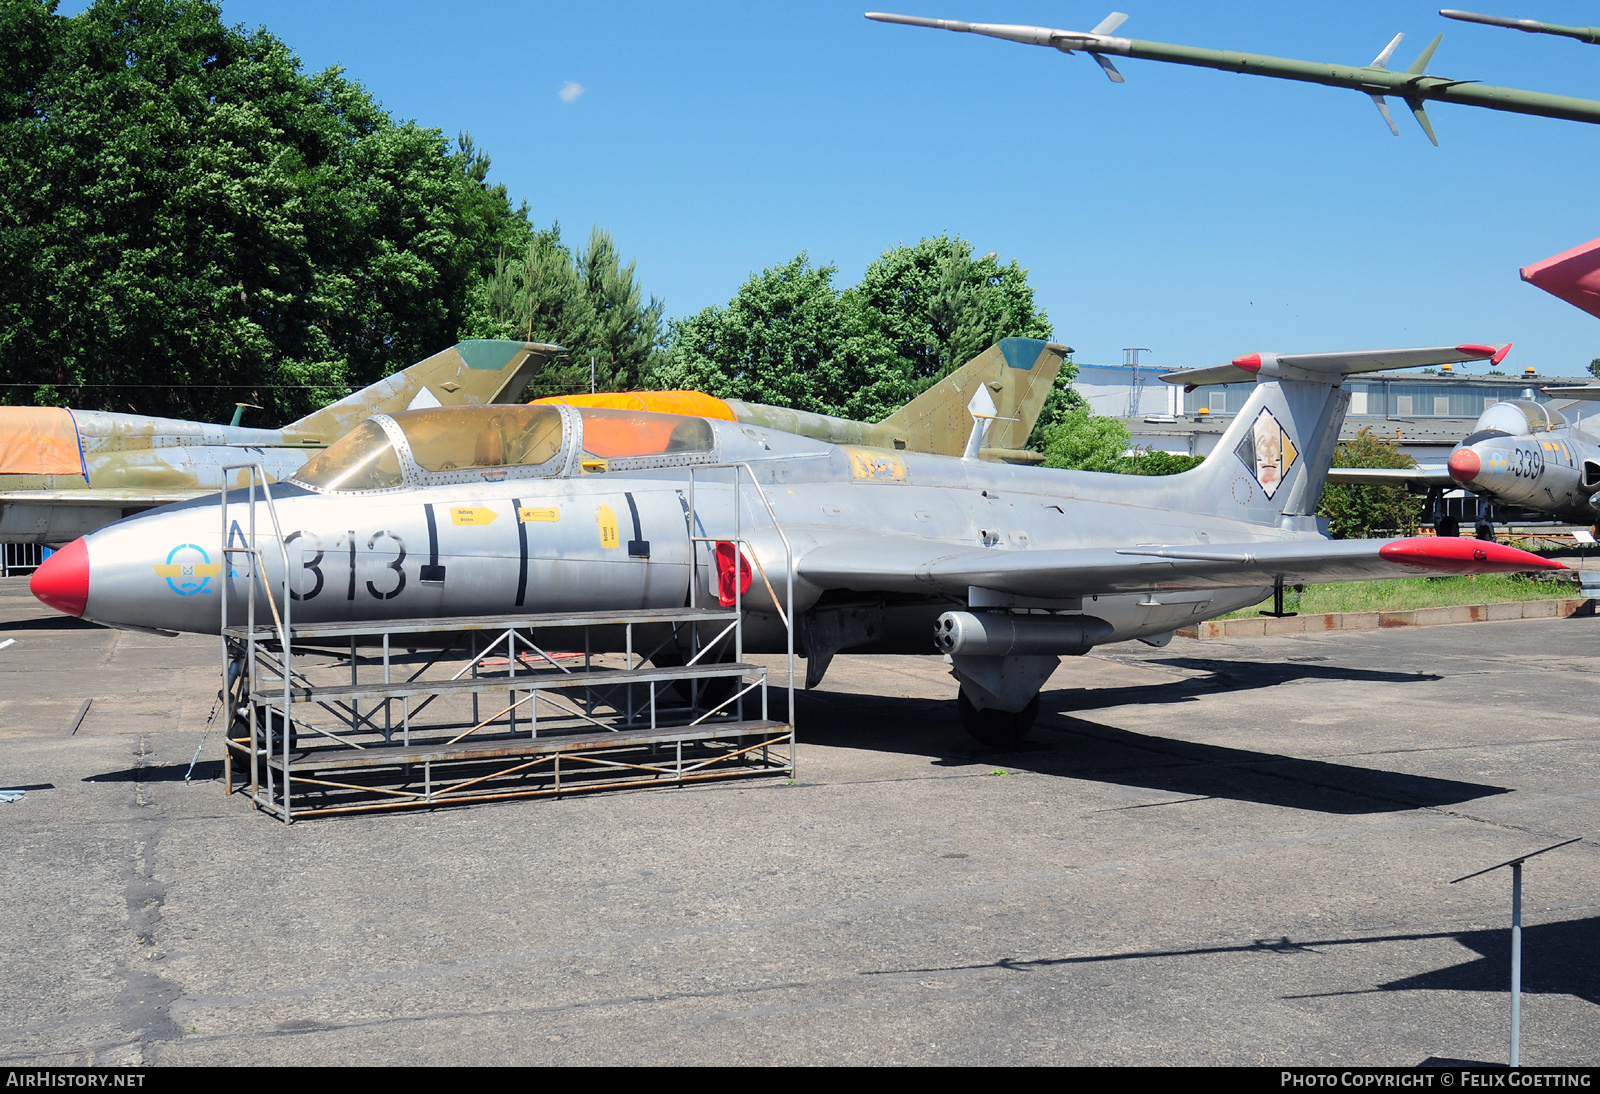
<point x="570" y="91"/>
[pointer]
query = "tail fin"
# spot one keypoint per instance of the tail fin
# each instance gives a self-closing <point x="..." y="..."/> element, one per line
<point x="467" y="374"/>
<point x="1272" y="462"/>
<point x="1019" y="373"/>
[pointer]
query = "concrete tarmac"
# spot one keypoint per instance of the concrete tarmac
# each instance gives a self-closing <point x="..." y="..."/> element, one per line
<point x="1216" y="852"/>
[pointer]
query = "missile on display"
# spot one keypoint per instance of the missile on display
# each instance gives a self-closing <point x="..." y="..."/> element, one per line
<point x="1414" y="86"/>
<point x="1590" y="35"/>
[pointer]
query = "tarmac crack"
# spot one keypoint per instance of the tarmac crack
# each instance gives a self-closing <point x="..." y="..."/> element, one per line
<point x="145" y="1002"/>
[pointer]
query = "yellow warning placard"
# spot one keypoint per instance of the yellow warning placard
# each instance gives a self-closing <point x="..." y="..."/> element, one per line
<point x="876" y="466"/>
<point x="607" y="519"/>
<point x="529" y="515"/>
<point x="475" y="515"/>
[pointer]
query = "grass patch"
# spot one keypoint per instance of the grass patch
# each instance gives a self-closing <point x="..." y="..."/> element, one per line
<point x="1413" y="592"/>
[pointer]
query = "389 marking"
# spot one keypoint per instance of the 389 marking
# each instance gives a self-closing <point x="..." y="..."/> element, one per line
<point x="1528" y="464"/>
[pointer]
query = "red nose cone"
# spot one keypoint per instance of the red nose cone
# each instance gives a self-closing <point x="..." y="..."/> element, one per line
<point x="63" y="581"/>
<point x="1464" y="465"/>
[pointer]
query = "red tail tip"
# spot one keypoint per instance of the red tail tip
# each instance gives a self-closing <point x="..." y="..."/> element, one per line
<point x="1495" y="356"/>
<point x="1250" y="362"/>
<point x="63" y="581"/>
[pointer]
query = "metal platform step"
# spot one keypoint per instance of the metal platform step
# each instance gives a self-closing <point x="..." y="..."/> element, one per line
<point x="463" y="623"/>
<point x="530" y="681"/>
<point x="333" y="758"/>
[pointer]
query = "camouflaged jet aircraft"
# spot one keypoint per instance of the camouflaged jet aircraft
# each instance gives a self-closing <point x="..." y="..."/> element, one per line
<point x="474" y="511"/>
<point x="64" y="473"/>
<point x="1018" y="372"/>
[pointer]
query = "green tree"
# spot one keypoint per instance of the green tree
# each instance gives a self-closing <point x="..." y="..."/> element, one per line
<point x="1594" y="366"/>
<point x="791" y="339"/>
<point x="1357" y="512"/>
<point x="589" y="303"/>
<point x="1156" y="462"/>
<point x="182" y="207"/>
<point x="1082" y="441"/>
<point x="940" y="307"/>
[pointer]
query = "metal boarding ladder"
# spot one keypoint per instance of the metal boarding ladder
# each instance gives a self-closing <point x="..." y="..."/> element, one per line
<point x="310" y="745"/>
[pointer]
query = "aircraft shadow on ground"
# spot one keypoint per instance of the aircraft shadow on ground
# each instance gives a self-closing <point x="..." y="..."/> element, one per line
<point x="204" y="771"/>
<point x="50" y="623"/>
<point x="1557" y="959"/>
<point x="1075" y="747"/>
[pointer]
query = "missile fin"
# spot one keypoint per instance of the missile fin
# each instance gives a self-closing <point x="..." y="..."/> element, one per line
<point x="1422" y="119"/>
<point x="1111" y="70"/>
<point x="1421" y="63"/>
<point x="1383" y="108"/>
<point x="1382" y="60"/>
<point x="1110" y="23"/>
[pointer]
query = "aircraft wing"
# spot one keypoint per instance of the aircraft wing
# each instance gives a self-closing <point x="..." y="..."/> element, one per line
<point x="1584" y="391"/>
<point x="1426" y="475"/>
<point x="919" y="566"/>
<point x="120" y="495"/>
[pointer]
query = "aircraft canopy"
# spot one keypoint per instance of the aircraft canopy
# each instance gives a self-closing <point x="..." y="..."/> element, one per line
<point x="363" y="459"/>
<point x="1518" y="416"/>
<point x="526" y="440"/>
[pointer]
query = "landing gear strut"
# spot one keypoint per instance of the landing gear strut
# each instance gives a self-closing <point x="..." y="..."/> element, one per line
<point x="1484" y="530"/>
<point x="1443" y="523"/>
<point x="997" y="729"/>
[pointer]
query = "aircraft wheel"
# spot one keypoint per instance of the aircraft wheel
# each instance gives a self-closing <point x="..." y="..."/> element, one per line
<point x="1447" y="526"/>
<point x="1484" y="531"/>
<point x="709" y="692"/>
<point x="997" y="729"/>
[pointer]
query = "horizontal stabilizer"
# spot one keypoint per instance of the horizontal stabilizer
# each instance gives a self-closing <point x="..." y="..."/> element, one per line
<point x="1427" y="475"/>
<point x="1332" y="368"/>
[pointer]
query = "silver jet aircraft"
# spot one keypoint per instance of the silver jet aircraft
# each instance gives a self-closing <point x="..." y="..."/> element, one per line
<point x="452" y="512"/>
<point x="1520" y="453"/>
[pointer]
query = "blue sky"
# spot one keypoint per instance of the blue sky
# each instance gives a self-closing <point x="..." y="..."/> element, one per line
<point x="1198" y="213"/>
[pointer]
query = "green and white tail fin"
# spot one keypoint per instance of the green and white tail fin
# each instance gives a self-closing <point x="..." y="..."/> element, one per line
<point x="1018" y="372"/>
<point x="467" y="374"/>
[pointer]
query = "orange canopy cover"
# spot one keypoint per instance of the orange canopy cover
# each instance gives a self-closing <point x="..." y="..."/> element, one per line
<point x="38" y="440"/>
<point x="696" y="404"/>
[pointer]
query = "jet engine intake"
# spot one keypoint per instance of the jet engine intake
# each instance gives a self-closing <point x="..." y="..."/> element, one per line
<point x="1591" y="476"/>
<point x="1001" y="634"/>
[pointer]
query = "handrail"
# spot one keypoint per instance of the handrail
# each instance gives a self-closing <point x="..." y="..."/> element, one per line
<point x="283" y="623"/>
<point x="789" y="575"/>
